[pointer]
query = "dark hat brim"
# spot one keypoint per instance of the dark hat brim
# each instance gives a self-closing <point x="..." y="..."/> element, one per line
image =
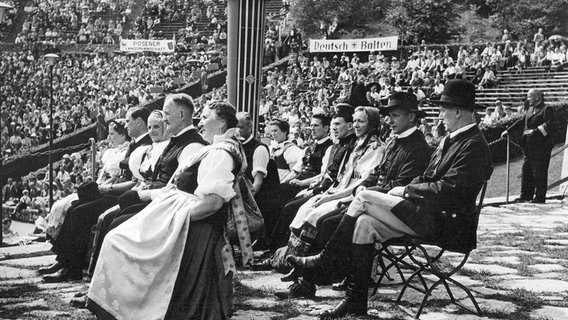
<point x="386" y="109"/>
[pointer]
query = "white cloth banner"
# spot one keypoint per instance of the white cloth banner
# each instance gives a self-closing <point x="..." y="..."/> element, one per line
<point x="354" y="45"/>
<point x="147" y="45"/>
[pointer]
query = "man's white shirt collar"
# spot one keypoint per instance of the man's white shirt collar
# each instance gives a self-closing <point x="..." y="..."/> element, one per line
<point x="462" y="129"/>
<point x="324" y="139"/>
<point x="184" y="130"/>
<point x="140" y="137"/>
<point x="248" y="140"/>
<point x="406" y="133"/>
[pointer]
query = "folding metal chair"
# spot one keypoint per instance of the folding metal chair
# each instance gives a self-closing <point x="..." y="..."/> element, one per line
<point x="413" y="248"/>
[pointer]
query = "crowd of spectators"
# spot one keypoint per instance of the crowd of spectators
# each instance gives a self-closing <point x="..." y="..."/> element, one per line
<point x="85" y="87"/>
<point x="189" y="14"/>
<point x="70" y="22"/>
<point x="7" y="21"/>
<point x="32" y="191"/>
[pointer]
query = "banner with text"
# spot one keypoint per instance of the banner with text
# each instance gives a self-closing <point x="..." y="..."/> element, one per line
<point x="354" y="45"/>
<point x="166" y="46"/>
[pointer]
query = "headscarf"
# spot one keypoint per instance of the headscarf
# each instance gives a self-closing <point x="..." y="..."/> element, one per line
<point x="158" y="116"/>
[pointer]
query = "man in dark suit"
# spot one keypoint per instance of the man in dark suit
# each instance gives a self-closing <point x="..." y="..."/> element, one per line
<point x="537" y="142"/>
<point x="435" y="206"/>
<point x="406" y="157"/>
<point x="71" y="246"/>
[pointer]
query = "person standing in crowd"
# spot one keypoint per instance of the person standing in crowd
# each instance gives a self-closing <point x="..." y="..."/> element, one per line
<point x="435" y="205"/>
<point x="537" y="142"/>
<point x="285" y="153"/>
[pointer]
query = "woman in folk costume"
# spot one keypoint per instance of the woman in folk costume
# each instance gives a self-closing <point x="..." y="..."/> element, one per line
<point x="172" y="260"/>
<point x="368" y="152"/>
<point x="118" y="137"/>
<point x="284" y="152"/>
<point x="142" y="162"/>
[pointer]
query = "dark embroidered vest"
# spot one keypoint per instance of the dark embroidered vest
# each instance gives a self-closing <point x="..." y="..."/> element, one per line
<point x="168" y="161"/>
<point x="281" y="162"/>
<point x="313" y="159"/>
<point x="339" y="152"/>
<point x="125" y="173"/>
<point x="271" y="181"/>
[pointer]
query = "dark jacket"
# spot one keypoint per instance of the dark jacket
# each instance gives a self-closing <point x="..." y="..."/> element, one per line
<point x="535" y="117"/>
<point x="126" y="174"/>
<point x="339" y="152"/>
<point x="443" y="199"/>
<point x="405" y="159"/>
<point x="537" y="142"/>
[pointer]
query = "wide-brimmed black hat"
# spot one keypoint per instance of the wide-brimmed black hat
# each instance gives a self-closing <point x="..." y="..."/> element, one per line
<point x="458" y="93"/>
<point x="403" y="100"/>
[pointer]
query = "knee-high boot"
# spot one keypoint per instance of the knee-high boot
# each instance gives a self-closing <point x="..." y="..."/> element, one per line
<point x="357" y="284"/>
<point x="336" y="248"/>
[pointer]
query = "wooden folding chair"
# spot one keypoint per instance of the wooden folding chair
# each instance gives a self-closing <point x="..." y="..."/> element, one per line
<point x="415" y="247"/>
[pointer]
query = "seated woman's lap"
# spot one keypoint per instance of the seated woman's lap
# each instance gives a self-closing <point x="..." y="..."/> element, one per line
<point x="126" y="214"/>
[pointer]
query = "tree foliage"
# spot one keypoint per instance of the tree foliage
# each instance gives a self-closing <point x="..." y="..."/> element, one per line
<point x="523" y="17"/>
<point x="311" y="15"/>
<point x="429" y="20"/>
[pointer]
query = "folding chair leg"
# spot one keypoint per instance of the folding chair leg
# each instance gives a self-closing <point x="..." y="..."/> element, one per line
<point x="426" y="296"/>
<point x="407" y="283"/>
<point x="448" y="290"/>
<point x="471" y="298"/>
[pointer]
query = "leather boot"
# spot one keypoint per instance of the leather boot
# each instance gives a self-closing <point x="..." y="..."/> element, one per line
<point x="51" y="269"/>
<point x="356" y="283"/>
<point x="336" y="248"/>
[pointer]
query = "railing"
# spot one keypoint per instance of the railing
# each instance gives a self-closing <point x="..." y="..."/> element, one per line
<point x="561" y="180"/>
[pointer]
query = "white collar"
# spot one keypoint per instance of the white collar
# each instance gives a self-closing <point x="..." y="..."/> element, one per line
<point x="406" y="133"/>
<point x="462" y="129"/>
<point x="140" y="137"/>
<point x="324" y="139"/>
<point x="218" y="137"/>
<point x="249" y="139"/>
<point x="184" y="130"/>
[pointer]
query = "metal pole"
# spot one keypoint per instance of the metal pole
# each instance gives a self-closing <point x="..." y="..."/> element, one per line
<point x="1" y="182"/>
<point x="50" y="157"/>
<point x="508" y="169"/>
<point x="93" y="155"/>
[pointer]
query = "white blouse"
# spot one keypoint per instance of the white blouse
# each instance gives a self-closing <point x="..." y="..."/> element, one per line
<point x="111" y="161"/>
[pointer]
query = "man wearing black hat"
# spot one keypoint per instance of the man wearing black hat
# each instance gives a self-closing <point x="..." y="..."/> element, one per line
<point x="406" y="157"/>
<point x="435" y="206"/>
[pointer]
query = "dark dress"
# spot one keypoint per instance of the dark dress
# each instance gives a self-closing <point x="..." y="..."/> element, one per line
<point x="202" y="289"/>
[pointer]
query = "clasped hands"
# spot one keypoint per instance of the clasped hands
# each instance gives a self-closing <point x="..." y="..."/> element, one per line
<point x="527" y="132"/>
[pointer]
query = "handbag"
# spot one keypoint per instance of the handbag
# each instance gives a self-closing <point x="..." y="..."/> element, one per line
<point x="244" y="203"/>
